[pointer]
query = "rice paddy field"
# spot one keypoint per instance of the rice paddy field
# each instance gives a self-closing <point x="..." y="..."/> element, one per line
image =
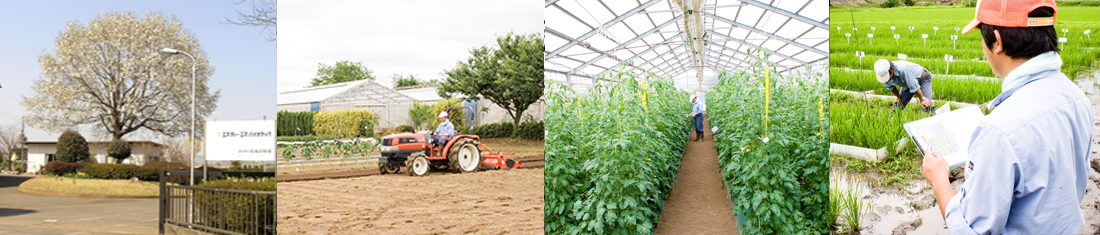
<point x="897" y="199"/>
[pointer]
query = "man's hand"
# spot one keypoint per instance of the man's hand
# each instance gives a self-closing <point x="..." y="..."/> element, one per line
<point x="937" y="173"/>
<point x="897" y="100"/>
<point x="926" y="103"/>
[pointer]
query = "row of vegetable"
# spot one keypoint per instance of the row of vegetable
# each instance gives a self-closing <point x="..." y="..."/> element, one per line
<point x="772" y="142"/>
<point x="612" y="153"/>
<point x="966" y="90"/>
<point x="870" y="123"/>
<point x="309" y="150"/>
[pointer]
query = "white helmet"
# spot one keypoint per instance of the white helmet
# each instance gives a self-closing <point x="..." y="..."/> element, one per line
<point x="882" y="70"/>
<point x="443" y="114"/>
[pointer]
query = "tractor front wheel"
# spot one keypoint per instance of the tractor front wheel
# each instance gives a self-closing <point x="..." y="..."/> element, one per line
<point x="417" y="165"/>
<point x="384" y="167"/>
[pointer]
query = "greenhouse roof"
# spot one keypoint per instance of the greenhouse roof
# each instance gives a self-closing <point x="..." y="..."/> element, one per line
<point x="585" y="39"/>
<point x="362" y="90"/>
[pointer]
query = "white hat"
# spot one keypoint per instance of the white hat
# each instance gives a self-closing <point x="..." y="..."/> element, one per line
<point x="882" y="70"/>
<point x="692" y="99"/>
<point x="443" y="114"/>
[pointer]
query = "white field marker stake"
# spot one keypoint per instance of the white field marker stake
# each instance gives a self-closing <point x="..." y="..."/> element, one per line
<point x="847" y="37"/>
<point x="860" y="55"/>
<point x="872" y="29"/>
<point x="896" y="39"/>
<point x="871" y="36"/>
<point x="936" y="31"/>
<point x="948" y="58"/>
<point x="837" y="29"/>
<point x="1087" y="31"/>
<point x="1062" y="41"/>
<point x="903" y="57"/>
<point x="956" y="30"/>
<point x="953" y="44"/>
<point x="925" y="37"/>
<point x="910" y="29"/>
<point x="1064" y="31"/>
<point x="892" y="30"/>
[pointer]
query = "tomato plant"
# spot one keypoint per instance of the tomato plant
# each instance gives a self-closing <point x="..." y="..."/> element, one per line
<point x="612" y="153"/>
<point x="772" y="142"/>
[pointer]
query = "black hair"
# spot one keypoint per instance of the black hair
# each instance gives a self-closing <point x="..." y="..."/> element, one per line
<point x="1024" y="42"/>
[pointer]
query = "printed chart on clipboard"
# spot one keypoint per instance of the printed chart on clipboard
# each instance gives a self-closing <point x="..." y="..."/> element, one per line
<point x="947" y="134"/>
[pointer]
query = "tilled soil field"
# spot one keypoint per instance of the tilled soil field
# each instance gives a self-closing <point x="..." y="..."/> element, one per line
<point x="485" y="202"/>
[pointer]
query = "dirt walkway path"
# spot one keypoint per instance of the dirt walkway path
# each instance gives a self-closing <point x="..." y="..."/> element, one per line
<point x="698" y="203"/>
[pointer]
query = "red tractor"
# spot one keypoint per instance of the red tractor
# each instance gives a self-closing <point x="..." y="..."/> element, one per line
<point x="417" y="153"/>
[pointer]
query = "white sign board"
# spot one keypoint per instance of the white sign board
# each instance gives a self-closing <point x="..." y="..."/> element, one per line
<point x="903" y="56"/>
<point x="910" y="28"/>
<point x="872" y="28"/>
<point x="948" y="57"/>
<point x="1065" y="30"/>
<point x="896" y="36"/>
<point x="924" y="36"/>
<point x="1087" y="31"/>
<point x="891" y="27"/>
<point x="1062" y="40"/>
<point x="936" y="28"/>
<point x="847" y="35"/>
<point x="870" y="35"/>
<point x="250" y="140"/>
<point x="859" y="53"/>
<point x="855" y="29"/>
<point x="953" y="37"/>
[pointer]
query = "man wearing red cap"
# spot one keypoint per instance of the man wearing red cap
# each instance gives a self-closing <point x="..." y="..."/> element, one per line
<point x="1028" y="159"/>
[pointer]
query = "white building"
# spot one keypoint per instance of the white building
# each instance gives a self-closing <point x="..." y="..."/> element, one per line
<point x="390" y="105"/>
<point x="41" y="152"/>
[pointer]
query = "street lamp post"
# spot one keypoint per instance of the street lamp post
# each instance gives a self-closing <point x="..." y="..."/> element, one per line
<point x="191" y="146"/>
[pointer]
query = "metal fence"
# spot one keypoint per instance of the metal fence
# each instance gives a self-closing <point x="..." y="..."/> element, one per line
<point x="220" y="211"/>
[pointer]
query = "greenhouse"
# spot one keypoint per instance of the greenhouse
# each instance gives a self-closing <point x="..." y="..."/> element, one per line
<point x="623" y="77"/>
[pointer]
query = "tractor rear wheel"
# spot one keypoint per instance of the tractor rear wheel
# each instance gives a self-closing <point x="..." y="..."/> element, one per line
<point x="417" y="165"/>
<point x="464" y="155"/>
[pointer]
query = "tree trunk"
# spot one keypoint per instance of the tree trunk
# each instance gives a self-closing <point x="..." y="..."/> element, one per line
<point x="516" y="115"/>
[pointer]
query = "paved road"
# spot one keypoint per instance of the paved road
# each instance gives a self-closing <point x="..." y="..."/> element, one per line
<point x="22" y="213"/>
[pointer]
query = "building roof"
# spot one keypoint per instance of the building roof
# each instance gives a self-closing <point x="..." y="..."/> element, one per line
<point x="343" y="92"/>
<point x="422" y="94"/>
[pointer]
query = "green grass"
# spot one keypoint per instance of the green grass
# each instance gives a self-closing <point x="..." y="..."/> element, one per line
<point x="96" y="188"/>
<point x="975" y="91"/>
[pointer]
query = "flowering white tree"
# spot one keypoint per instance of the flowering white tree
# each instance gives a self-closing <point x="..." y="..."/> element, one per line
<point x="110" y="74"/>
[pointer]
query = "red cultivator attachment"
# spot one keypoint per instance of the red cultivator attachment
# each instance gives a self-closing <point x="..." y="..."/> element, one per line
<point x="496" y="160"/>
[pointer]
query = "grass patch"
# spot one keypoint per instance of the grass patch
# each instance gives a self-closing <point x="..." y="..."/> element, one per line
<point x="73" y="187"/>
<point x="869" y="123"/>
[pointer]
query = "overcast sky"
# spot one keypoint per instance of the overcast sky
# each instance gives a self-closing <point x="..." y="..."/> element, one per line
<point x="243" y="60"/>
<point x="422" y="38"/>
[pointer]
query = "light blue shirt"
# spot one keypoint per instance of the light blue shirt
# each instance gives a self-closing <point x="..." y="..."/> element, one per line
<point x="446" y="128"/>
<point x="696" y="108"/>
<point x="1028" y="166"/>
<point x="906" y="75"/>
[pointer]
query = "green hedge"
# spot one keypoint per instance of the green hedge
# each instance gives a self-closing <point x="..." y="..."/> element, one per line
<point x="294" y="123"/>
<point x="239" y="210"/>
<point x="526" y="130"/>
<point x="62" y="168"/>
<point x="121" y="171"/>
<point x="348" y="123"/>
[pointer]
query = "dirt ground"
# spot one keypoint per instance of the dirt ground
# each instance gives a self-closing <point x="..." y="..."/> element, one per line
<point x="914" y="210"/>
<point x="522" y="148"/>
<point x="698" y="203"/>
<point x="485" y="202"/>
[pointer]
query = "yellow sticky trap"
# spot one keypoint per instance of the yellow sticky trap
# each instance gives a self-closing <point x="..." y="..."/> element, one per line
<point x="767" y="99"/>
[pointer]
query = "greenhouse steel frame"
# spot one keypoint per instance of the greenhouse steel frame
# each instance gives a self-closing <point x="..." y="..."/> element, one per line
<point x="672" y="37"/>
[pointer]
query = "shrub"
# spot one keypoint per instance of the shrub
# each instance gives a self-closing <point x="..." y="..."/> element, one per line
<point x="238" y="209"/>
<point x="119" y="150"/>
<point x="294" y="123"/>
<point x="910" y="2"/>
<point x="62" y="168"/>
<point x="405" y="129"/>
<point x="890" y="3"/>
<point x="306" y="138"/>
<point x="71" y="147"/>
<point x="494" y="130"/>
<point x="421" y="114"/>
<point x="531" y="130"/>
<point x="121" y="171"/>
<point x="348" y="123"/>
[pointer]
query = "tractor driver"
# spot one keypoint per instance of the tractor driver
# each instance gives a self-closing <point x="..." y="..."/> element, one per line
<point x="444" y="131"/>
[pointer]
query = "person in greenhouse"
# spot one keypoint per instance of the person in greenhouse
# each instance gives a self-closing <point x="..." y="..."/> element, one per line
<point x="905" y="79"/>
<point x="1027" y="167"/>
<point x="444" y="131"/>
<point x="697" y="114"/>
